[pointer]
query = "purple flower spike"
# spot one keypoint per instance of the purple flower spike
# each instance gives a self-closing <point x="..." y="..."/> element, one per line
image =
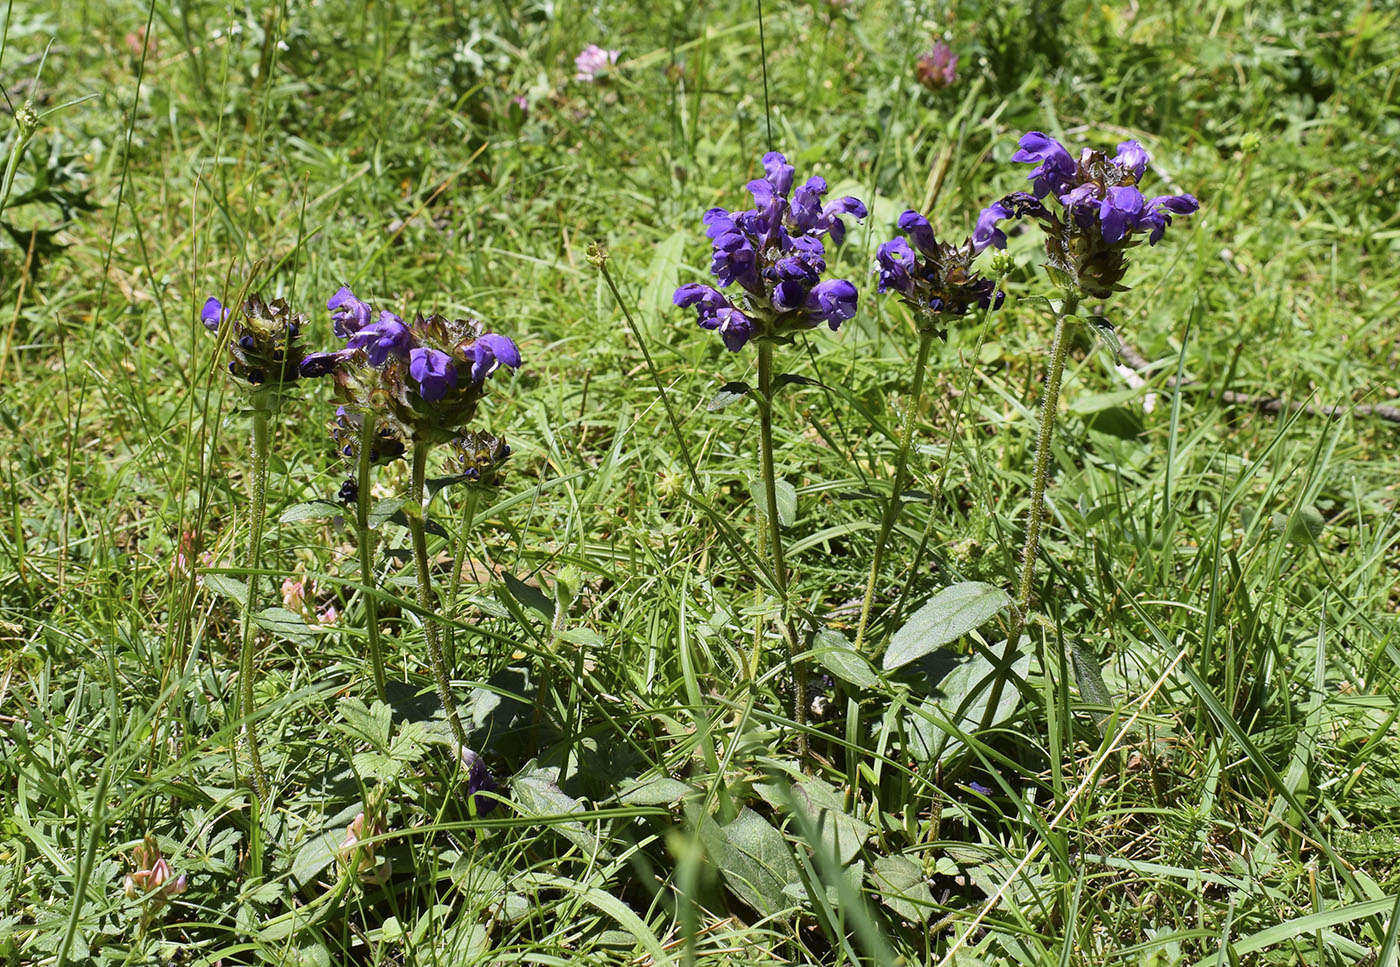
<point x="832" y="302"/>
<point x="213" y="313"/>
<point x="348" y="313"/>
<point x="434" y="372"/>
<point x="1056" y="165"/>
<point x="379" y="339"/>
<point x="490" y="352"/>
<point x="920" y="231"/>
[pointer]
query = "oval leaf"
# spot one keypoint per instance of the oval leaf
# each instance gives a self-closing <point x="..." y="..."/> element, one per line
<point x="952" y="613"/>
<point x="837" y="655"/>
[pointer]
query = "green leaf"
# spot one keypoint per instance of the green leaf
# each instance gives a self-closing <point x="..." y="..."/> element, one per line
<point x="784" y="379"/>
<point x="961" y="699"/>
<point x="310" y="510"/>
<point x="368" y="723"/>
<point x="1090" y="680"/>
<point x="385" y="510"/>
<point x="841" y="834"/>
<point x="287" y="625"/>
<point x="837" y="655"/>
<point x="1303" y="526"/>
<point x="227" y="586"/>
<point x="529" y="596"/>
<point x="536" y="792"/>
<point x="728" y="394"/>
<point x="787" y="500"/>
<point x="757" y="863"/>
<point x="952" y="613"/>
<point x="662" y="275"/>
<point x="654" y="792"/>
<point x="899" y="883"/>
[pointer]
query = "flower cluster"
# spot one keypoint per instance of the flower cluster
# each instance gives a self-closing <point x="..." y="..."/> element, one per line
<point x="424" y="379"/>
<point x="481" y="456"/>
<point x="937" y="68"/>
<point x="592" y="61"/>
<point x="934" y="278"/>
<point x="774" y="252"/>
<point x="265" y="341"/>
<point x="153" y="880"/>
<point x="1101" y="210"/>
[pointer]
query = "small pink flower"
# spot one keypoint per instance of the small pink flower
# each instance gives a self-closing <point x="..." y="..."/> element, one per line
<point x="938" y="68"/>
<point x="329" y="615"/>
<point x="294" y="594"/>
<point x="592" y="61"/>
<point x="155" y="877"/>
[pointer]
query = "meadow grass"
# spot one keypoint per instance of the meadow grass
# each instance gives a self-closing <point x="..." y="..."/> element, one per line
<point x="1231" y="567"/>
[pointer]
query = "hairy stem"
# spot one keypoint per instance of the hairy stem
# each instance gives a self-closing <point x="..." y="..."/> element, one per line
<point x="425" y="593"/>
<point x="775" y="539"/>
<point x="901" y="466"/>
<point x="459" y="561"/>
<point x="376" y="649"/>
<point x="257" y="512"/>
<point x="1035" y="516"/>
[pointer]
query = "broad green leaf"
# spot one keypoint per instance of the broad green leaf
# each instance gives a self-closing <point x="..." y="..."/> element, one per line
<point x="899" y="883"/>
<point x="757" y="863"/>
<point x="728" y="394"/>
<point x="787" y="500"/>
<point x="952" y="613"/>
<point x="226" y="586"/>
<point x="654" y="792"/>
<point x="662" y="275"/>
<point x="961" y="700"/>
<point x="837" y="655"/>
<point x="311" y="510"/>
<point x="841" y="834"/>
<point x="287" y="625"/>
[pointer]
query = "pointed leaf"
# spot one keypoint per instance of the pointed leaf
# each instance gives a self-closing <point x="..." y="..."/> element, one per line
<point x="311" y="510"/>
<point x="787" y="500"/>
<point x="728" y="394"/>
<point x="950" y="614"/>
<point x="837" y="655"/>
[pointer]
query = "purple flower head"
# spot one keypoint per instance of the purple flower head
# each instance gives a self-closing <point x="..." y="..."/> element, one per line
<point x="938" y="68"/>
<point x="774" y="252"/>
<point x="490" y="352"/>
<point x="935" y="279"/>
<point x="592" y="61"/>
<point x="479" y="780"/>
<point x="389" y="336"/>
<point x="434" y="371"/>
<point x="1056" y="165"/>
<point x="264" y="339"/>
<point x="348" y="314"/>
<point x="1101" y="211"/>
<point x="320" y="364"/>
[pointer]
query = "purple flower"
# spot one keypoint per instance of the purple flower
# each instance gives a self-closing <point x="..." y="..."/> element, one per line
<point x="937" y="69"/>
<point x="979" y="788"/>
<point x="1056" y="165"/>
<point x="213" y="314"/>
<point x="895" y="259"/>
<point x="349" y="315"/>
<point x="832" y="302"/>
<point x="934" y="278"/>
<point x="491" y="351"/>
<point x="479" y="780"/>
<point x="433" y="370"/>
<point x="320" y="364"/>
<point x="380" y="339"/>
<point x="592" y="61"/>
<point x="774" y="252"/>
<point x="1101" y="211"/>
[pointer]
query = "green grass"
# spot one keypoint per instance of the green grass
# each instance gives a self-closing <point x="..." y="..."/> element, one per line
<point x="1233" y="572"/>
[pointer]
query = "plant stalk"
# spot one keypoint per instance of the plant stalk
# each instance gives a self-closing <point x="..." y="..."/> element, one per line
<point x="775" y="539"/>
<point x="901" y="466"/>
<point x="257" y="513"/>
<point x="1035" y="516"/>
<point x="458" y="561"/>
<point x="366" y="548"/>
<point x="425" y="593"/>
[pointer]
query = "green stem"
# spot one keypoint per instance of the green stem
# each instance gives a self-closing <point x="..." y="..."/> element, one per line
<point x="362" y="489"/>
<point x="1036" y="514"/>
<point x="425" y="593"/>
<point x="468" y="517"/>
<point x="901" y="465"/>
<point x="257" y="513"/>
<point x="775" y="539"/>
